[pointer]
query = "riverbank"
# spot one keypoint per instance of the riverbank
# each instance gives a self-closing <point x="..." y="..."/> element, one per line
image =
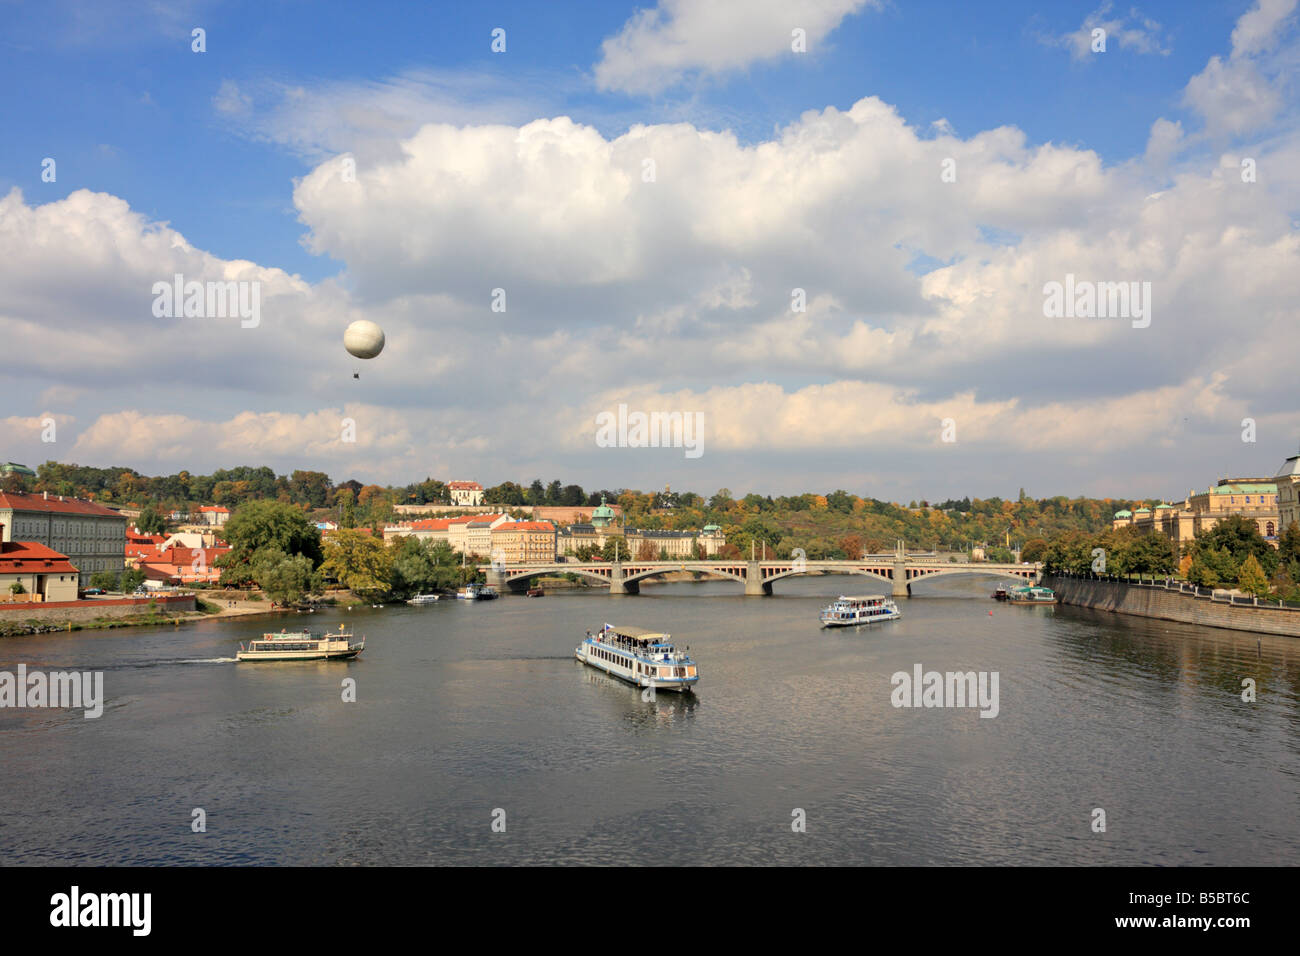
<point x="1175" y="602"/>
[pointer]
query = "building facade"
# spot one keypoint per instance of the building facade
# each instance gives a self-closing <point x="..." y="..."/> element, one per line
<point x="41" y="573"/>
<point x="524" y="542"/>
<point x="465" y="493"/>
<point x="91" y="536"/>
<point x="1253" y="498"/>
<point x="1288" y="493"/>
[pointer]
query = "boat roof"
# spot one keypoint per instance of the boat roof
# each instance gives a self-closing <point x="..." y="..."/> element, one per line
<point x="862" y="597"/>
<point x="640" y="633"/>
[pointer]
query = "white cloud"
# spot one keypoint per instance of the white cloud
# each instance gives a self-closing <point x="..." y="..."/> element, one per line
<point x="658" y="47"/>
<point x="1133" y="32"/>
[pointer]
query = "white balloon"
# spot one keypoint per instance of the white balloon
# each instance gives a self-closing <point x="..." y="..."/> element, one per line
<point x="364" y="339"/>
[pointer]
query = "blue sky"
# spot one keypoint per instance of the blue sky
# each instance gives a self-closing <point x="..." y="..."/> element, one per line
<point x="776" y="170"/>
<point x="128" y="108"/>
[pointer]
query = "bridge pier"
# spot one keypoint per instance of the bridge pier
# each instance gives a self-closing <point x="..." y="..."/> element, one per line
<point x="754" y="583"/>
<point x="616" y="583"/>
<point x="497" y="578"/>
<point x="899" y="577"/>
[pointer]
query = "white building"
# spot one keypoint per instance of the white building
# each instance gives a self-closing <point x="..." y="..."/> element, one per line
<point x="465" y="493"/>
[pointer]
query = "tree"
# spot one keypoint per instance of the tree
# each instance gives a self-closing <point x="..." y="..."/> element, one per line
<point x="271" y="526"/>
<point x="615" y="548"/>
<point x="1033" y="550"/>
<point x="423" y="566"/>
<point x="1288" y="546"/>
<point x="285" y="579"/>
<point x="1251" y="578"/>
<point x="359" y="562"/>
<point x="17" y="588"/>
<point x="151" y="522"/>
<point x="1239" y="537"/>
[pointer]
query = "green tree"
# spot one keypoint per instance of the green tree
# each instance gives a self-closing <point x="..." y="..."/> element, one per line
<point x="1239" y="537"/>
<point x="131" y="579"/>
<point x="423" y="566"/>
<point x="1033" y="550"/>
<point x="615" y="548"/>
<point x="285" y="579"/>
<point x="151" y="522"/>
<point x="359" y="562"/>
<point x="266" y="526"/>
<point x="1251" y="578"/>
<point x="1288" y="546"/>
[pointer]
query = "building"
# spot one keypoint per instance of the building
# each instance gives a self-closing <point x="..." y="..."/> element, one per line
<point x="13" y="468"/>
<point x="523" y="542"/>
<point x="43" y="573"/>
<point x="1287" y="480"/>
<point x="568" y="514"/>
<point x="92" y="537"/>
<point x="426" y="529"/>
<point x="602" y="516"/>
<point x="1253" y="498"/>
<point x="465" y="493"/>
<point x="473" y="533"/>
<point x="214" y="515"/>
<point x="677" y="545"/>
<point x="182" y="565"/>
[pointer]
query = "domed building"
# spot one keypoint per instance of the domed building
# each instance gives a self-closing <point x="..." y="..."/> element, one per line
<point x="602" y="516"/>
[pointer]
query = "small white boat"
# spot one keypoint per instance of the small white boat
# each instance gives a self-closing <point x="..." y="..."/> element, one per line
<point x="640" y="657"/>
<point x="864" y="609"/>
<point x="423" y="599"/>
<point x="302" y="646"/>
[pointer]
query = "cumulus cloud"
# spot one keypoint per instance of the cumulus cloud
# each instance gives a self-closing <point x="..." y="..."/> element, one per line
<point x="816" y="293"/>
<point x="660" y="46"/>
<point x="1243" y="92"/>
<point x="1133" y="32"/>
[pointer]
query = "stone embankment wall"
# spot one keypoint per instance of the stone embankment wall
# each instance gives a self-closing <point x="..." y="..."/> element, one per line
<point x="89" y="610"/>
<point x="1170" y="603"/>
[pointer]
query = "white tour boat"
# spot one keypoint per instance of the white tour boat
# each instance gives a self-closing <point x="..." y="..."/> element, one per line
<point x="640" y="657"/>
<point x="302" y="646"/>
<point x="477" y="592"/>
<point x="423" y="599"/>
<point x="848" y="611"/>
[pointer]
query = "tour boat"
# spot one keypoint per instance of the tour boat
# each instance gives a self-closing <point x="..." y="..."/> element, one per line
<point x="1000" y="594"/>
<point x="1031" y="595"/>
<point x="487" y="592"/>
<point x="477" y="592"/>
<point x="848" y="611"/>
<point x="638" y="656"/>
<point x="302" y="646"/>
<point x="423" y="599"/>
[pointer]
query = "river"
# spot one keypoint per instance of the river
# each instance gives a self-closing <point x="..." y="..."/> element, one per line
<point x="466" y="714"/>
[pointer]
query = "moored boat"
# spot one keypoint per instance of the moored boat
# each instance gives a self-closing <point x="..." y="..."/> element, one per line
<point x="641" y="657"/>
<point x="1031" y="594"/>
<point x="1000" y="594"/>
<point x="864" y="609"/>
<point x="536" y="592"/>
<point x="423" y="599"/>
<point x="302" y="646"/>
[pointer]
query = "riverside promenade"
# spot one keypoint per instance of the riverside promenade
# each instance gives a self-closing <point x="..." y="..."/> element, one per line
<point x="1170" y="600"/>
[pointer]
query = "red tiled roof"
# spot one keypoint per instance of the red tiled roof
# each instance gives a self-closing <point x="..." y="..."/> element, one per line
<point x="217" y="508"/>
<point x="21" y="502"/>
<point x="526" y="526"/>
<point x="458" y="485"/>
<point x="431" y="524"/>
<point x="179" y="556"/>
<point x="27" y="557"/>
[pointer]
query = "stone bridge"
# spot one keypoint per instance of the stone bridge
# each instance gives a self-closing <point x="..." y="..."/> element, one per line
<point x="623" y="577"/>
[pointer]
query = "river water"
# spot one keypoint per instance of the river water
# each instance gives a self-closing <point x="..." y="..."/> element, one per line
<point x="466" y="714"/>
